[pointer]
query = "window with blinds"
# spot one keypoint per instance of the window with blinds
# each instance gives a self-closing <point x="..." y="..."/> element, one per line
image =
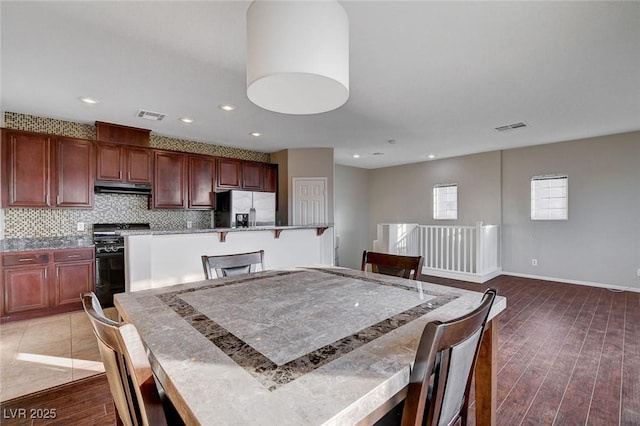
<point x="445" y="201"/>
<point x="549" y="197"/>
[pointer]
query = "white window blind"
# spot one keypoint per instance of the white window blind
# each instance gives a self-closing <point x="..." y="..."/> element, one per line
<point x="445" y="201"/>
<point x="549" y="197"/>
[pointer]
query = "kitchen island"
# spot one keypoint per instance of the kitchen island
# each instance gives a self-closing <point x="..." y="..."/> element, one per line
<point x="159" y="258"/>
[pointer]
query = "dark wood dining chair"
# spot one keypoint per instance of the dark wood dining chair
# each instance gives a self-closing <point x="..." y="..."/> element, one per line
<point x="228" y="265"/>
<point x="135" y="393"/>
<point x="438" y="392"/>
<point x="392" y="264"/>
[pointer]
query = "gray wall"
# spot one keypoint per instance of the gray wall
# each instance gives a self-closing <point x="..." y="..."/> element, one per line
<point x="600" y="243"/>
<point x="352" y="215"/>
<point x="405" y="193"/>
<point x="601" y="240"/>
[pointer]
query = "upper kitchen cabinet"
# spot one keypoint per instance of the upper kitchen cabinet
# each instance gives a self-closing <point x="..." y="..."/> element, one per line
<point x="202" y="182"/>
<point x="40" y="171"/>
<point x="252" y="176"/>
<point x="122" y="163"/>
<point x="229" y="172"/>
<point x="25" y="169"/>
<point x="169" y="180"/>
<point x="116" y="133"/>
<point x="72" y="180"/>
<point x="270" y="178"/>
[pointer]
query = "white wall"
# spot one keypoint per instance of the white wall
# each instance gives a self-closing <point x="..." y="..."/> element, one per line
<point x="352" y="215"/>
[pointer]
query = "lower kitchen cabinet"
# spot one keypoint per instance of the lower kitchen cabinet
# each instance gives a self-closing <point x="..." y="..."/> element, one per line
<point x="42" y="283"/>
<point x="26" y="288"/>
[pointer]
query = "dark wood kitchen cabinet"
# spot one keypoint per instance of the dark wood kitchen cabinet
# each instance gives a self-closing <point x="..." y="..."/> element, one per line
<point x="229" y="173"/>
<point x="74" y="270"/>
<point x="26" y="167"/>
<point x="270" y="178"/>
<point x="252" y="176"/>
<point x="38" y="283"/>
<point x="72" y="177"/>
<point x="41" y="170"/>
<point x="169" y="180"/>
<point x="121" y="163"/>
<point x="202" y="182"/>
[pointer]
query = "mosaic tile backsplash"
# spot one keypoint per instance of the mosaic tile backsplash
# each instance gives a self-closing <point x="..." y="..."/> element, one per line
<point x="108" y="208"/>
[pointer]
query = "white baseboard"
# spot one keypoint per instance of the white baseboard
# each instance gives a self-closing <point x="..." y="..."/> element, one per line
<point x="562" y="280"/>
<point x="462" y="276"/>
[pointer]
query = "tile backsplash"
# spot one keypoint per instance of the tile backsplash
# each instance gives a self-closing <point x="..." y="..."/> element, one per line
<point x="108" y="208"/>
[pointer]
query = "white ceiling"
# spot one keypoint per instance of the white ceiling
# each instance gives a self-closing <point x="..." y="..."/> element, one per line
<point x="437" y="77"/>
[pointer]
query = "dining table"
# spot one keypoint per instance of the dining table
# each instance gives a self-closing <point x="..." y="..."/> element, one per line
<point x="298" y="346"/>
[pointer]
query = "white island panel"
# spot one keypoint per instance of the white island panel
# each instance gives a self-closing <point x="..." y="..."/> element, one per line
<point x="159" y="260"/>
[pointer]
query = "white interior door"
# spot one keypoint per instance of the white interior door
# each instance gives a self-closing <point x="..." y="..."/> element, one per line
<point x="309" y="201"/>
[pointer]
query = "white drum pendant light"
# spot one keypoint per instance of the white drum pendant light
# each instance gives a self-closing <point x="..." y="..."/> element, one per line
<point x="297" y="56"/>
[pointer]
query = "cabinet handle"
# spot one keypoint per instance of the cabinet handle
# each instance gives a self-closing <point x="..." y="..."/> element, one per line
<point x="73" y="255"/>
<point x="120" y="175"/>
<point x="25" y="259"/>
<point x="57" y="271"/>
<point x="58" y="199"/>
<point x="46" y="274"/>
<point x="48" y="200"/>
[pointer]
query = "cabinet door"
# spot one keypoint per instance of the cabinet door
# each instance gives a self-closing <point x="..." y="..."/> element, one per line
<point x="202" y="181"/>
<point x="72" y="279"/>
<point x="270" y="178"/>
<point x="26" y="289"/>
<point x="26" y="174"/>
<point x="74" y="173"/>
<point x="138" y="165"/>
<point x="252" y="176"/>
<point x="110" y="162"/>
<point x="169" y="180"/>
<point x="229" y="173"/>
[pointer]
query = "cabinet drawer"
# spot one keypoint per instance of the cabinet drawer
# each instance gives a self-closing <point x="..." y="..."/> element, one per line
<point x="72" y="255"/>
<point x="25" y="259"/>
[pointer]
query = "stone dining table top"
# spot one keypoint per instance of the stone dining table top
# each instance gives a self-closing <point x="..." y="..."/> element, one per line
<point x="303" y="346"/>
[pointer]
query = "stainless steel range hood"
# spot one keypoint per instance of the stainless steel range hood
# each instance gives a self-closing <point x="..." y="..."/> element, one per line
<point x="122" y="188"/>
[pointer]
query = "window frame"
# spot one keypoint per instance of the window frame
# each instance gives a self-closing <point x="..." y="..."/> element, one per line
<point x="436" y="200"/>
<point x="534" y="197"/>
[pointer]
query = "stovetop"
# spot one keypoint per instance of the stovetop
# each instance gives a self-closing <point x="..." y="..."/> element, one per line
<point x="101" y="229"/>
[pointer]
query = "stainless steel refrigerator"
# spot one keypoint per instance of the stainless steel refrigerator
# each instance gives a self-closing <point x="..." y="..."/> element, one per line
<point x="232" y="203"/>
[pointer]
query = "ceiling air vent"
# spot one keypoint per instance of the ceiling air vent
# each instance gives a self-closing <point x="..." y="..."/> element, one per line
<point x="513" y="126"/>
<point x="150" y="115"/>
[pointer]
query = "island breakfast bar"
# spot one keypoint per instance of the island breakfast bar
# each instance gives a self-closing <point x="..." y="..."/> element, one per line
<point x="300" y="346"/>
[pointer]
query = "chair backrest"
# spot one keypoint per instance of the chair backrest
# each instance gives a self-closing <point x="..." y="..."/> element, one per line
<point x="228" y="265"/>
<point x="438" y="392"/>
<point x="392" y="264"/>
<point x="129" y="374"/>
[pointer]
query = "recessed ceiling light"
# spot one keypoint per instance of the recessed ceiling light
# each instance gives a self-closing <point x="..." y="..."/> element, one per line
<point x="392" y="141"/>
<point x="255" y="134"/>
<point x="356" y="155"/>
<point x="227" y="107"/>
<point x="89" y="101"/>
<point x="431" y="156"/>
<point x="186" y="120"/>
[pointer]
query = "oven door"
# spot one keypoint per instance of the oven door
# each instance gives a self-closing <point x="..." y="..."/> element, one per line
<point x="109" y="276"/>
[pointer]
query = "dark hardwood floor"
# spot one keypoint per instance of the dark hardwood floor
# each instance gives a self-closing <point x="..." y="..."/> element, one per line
<point x="568" y="355"/>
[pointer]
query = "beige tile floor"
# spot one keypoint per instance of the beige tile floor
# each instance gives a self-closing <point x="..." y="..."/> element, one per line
<point x="40" y="353"/>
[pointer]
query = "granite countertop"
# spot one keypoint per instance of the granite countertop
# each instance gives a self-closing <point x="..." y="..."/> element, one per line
<point x="208" y="230"/>
<point x="44" y="243"/>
